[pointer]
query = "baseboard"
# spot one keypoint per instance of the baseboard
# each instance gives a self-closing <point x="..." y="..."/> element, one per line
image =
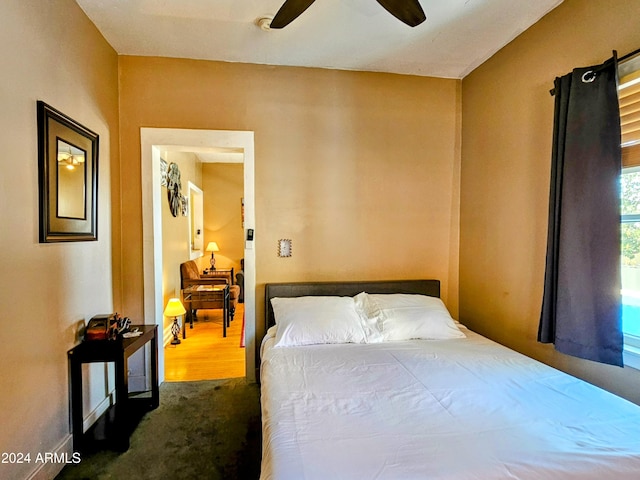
<point x="97" y="412"/>
<point x="50" y="464"/>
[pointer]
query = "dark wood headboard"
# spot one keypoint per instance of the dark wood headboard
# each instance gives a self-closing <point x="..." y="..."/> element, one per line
<point x="345" y="289"/>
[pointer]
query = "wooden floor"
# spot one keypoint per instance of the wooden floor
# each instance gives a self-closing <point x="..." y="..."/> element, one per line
<point x="205" y="354"/>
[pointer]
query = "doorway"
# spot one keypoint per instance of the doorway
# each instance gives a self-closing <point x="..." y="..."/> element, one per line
<point x="209" y="350"/>
<point x="153" y="141"/>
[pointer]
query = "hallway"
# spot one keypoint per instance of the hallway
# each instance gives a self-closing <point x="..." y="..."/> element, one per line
<point x="205" y="354"/>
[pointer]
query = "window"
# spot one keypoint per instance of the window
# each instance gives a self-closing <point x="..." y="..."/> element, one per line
<point x="630" y="233"/>
<point x="629" y="93"/>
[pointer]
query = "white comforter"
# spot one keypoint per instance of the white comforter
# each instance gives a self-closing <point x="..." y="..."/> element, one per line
<point x="449" y="409"/>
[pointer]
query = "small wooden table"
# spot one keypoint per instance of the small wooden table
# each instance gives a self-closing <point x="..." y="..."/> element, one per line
<point x="203" y="297"/>
<point x="226" y="273"/>
<point x="119" y="420"/>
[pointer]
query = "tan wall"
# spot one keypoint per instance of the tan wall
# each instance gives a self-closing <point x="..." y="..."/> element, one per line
<point x="506" y="155"/>
<point x="358" y="169"/>
<point x="223" y="186"/>
<point x="176" y="248"/>
<point x="50" y="51"/>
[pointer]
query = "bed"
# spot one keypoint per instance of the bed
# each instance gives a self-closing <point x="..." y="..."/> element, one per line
<point x="458" y="407"/>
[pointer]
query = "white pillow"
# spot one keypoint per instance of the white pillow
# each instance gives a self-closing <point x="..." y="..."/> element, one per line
<point x="405" y="316"/>
<point x="369" y="316"/>
<point x="314" y="320"/>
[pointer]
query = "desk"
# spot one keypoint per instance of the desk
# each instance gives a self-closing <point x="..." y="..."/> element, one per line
<point x="119" y="420"/>
<point x="203" y="297"/>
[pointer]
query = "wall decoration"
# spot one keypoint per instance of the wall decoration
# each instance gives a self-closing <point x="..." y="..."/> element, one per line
<point x="184" y="205"/>
<point x="163" y="172"/>
<point x="174" y="189"/>
<point x="284" y="247"/>
<point x="68" y="178"/>
<point x="242" y="210"/>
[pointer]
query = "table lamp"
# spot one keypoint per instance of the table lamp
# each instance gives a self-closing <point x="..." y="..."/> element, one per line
<point x="174" y="309"/>
<point x="212" y="247"/>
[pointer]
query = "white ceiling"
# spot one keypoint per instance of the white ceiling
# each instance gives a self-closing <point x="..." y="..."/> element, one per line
<point x="457" y="36"/>
<point x="208" y="154"/>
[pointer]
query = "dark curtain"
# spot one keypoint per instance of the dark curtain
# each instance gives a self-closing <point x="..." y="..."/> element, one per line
<point x="581" y="308"/>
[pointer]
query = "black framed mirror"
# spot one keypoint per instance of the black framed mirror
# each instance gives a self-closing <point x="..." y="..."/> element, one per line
<point x="68" y="176"/>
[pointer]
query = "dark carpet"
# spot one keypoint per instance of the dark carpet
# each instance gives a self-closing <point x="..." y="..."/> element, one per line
<point x="202" y="430"/>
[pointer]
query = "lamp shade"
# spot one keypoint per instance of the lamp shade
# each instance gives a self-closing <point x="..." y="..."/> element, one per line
<point x="212" y="247"/>
<point x="174" y="308"/>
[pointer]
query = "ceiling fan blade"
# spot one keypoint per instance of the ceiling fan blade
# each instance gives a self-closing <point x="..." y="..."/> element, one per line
<point x="407" y="11"/>
<point x="289" y="11"/>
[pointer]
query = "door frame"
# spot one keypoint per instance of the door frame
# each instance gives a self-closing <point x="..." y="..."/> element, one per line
<point x="195" y="219"/>
<point x="152" y="141"/>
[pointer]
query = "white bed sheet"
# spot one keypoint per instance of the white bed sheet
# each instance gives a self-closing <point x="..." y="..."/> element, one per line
<point x="449" y="409"/>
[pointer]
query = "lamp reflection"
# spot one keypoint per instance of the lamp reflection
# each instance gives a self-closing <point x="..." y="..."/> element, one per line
<point x="71" y="181"/>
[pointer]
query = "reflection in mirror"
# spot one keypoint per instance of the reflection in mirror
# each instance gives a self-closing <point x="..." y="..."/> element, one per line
<point x="71" y="181"/>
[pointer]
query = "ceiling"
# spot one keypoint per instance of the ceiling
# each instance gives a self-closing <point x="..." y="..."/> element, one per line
<point x="207" y="154"/>
<point x="457" y="36"/>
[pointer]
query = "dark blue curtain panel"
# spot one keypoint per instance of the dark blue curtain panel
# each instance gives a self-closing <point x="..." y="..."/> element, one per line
<point x="581" y="307"/>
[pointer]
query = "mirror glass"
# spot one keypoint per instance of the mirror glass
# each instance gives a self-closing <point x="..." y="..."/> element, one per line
<point x="71" y="184"/>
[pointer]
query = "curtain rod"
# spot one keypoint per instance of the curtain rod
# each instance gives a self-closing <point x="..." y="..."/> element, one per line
<point x="618" y="60"/>
<point x="629" y="55"/>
